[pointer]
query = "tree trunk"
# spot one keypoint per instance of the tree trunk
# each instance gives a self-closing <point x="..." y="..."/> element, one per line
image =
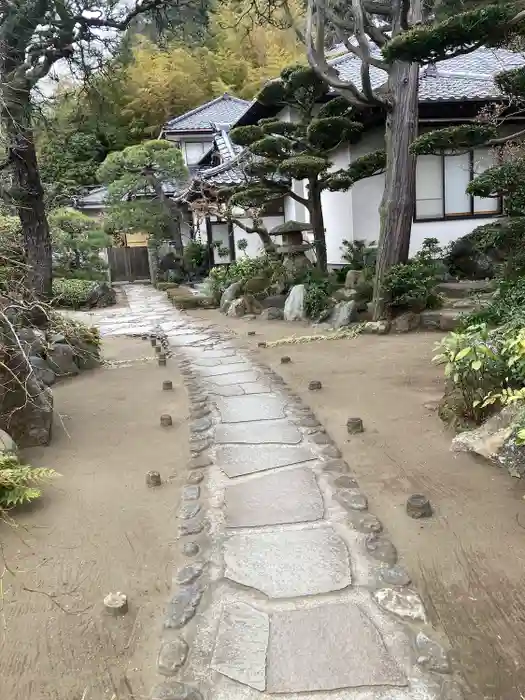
<point x="317" y="222"/>
<point x="174" y="214"/>
<point x="397" y="205"/>
<point x="28" y="193"/>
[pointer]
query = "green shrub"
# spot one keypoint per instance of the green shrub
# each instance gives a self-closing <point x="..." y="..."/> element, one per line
<point x="411" y="286"/>
<point x="72" y="293"/>
<point x="18" y="482"/>
<point x="359" y="254"/>
<point x="196" y="257"/>
<point x="221" y="276"/>
<point x="316" y="301"/>
<point x="75" y="332"/>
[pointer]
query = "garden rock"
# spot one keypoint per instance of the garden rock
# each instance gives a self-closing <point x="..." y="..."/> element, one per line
<point x="33" y="340"/>
<point x="31" y="425"/>
<point x="237" y="308"/>
<point x="42" y="370"/>
<point x="7" y="444"/>
<point x="512" y="457"/>
<point x="252" y="305"/>
<point x="353" y="278"/>
<point x="344" y="294"/>
<point x="343" y="314"/>
<point x="86" y="355"/>
<point x="275" y="301"/>
<point x="294" y="306"/>
<point x="272" y="313"/>
<point x="61" y="359"/>
<point x="377" y="327"/>
<point x="406" y="322"/>
<point x="102" y="295"/>
<point x="489" y="439"/>
<point x="230" y="294"/>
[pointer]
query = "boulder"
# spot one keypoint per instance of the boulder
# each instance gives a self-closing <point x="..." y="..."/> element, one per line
<point x="343" y="314"/>
<point x="42" y="370"/>
<point x="237" y="308"/>
<point x="7" y="444"/>
<point x="33" y="340"/>
<point x="406" y="322"/>
<point x="86" y="355"/>
<point x="61" y="359"/>
<point x="495" y="440"/>
<point x="294" y="306"/>
<point x="276" y="301"/>
<point x="272" y="314"/>
<point x="377" y="327"/>
<point x="251" y="304"/>
<point x="344" y="294"/>
<point x="230" y="293"/>
<point x="354" y="278"/>
<point x="103" y="294"/>
<point x="31" y="425"/>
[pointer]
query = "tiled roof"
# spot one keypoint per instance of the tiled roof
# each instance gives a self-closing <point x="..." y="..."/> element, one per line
<point x="224" y="110"/>
<point x="95" y="198"/>
<point x="467" y="77"/>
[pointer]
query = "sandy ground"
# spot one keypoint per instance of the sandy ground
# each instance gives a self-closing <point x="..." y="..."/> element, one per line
<point x="97" y="529"/>
<point x="469" y="559"/>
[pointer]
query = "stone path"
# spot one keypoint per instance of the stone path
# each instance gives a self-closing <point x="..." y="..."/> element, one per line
<point x="291" y="587"/>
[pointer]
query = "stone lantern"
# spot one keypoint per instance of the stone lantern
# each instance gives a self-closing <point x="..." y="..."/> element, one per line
<point x="293" y="246"/>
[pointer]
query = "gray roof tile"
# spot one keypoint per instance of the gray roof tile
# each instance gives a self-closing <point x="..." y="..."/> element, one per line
<point x="224" y="110"/>
<point x="468" y="77"/>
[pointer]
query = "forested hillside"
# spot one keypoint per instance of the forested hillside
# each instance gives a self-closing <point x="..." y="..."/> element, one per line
<point x="157" y="75"/>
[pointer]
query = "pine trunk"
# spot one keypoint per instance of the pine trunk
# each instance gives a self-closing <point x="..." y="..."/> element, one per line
<point x="173" y="213"/>
<point x="317" y="221"/>
<point x="397" y="205"/>
<point x="28" y="194"/>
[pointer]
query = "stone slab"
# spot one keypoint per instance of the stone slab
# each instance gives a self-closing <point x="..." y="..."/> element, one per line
<point x="289" y="496"/>
<point x="241" y="645"/>
<point x="288" y="563"/>
<point x="218" y="353"/>
<point x="238" y="460"/>
<point x="186" y="339"/>
<point x="234" y="378"/>
<point x="228" y="390"/>
<point x="256" y="388"/>
<point x="277" y="432"/>
<point x="218" y="370"/>
<point x="328" y="647"/>
<point x="244" y="409"/>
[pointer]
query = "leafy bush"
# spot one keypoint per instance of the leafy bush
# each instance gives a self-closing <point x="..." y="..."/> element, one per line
<point x="411" y="286"/>
<point x="221" y="276"/>
<point x="72" y="293"/>
<point x="196" y="257"/>
<point x="18" y="482"/>
<point x="319" y="288"/>
<point x="360" y="255"/>
<point x="474" y="365"/>
<point x="77" y="241"/>
<point x="75" y="332"/>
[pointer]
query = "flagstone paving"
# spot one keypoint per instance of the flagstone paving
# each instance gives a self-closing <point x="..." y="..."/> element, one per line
<point x="289" y="589"/>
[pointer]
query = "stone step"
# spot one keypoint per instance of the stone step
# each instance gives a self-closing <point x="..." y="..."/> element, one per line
<point x="466" y="288"/>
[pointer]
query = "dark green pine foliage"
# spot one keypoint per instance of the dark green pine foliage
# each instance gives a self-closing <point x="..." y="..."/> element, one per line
<point x="300" y="149"/>
<point x="502" y="241"/>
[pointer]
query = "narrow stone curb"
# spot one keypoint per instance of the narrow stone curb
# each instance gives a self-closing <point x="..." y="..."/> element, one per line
<point x="257" y="546"/>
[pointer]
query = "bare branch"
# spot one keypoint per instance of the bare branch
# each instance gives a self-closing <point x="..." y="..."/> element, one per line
<point x="315" y="41"/>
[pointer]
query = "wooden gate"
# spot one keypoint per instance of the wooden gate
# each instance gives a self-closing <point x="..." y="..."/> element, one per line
<point x="128" y="264"/>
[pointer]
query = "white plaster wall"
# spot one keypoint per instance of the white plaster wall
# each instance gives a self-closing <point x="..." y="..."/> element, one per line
<point x="337" y="212"/>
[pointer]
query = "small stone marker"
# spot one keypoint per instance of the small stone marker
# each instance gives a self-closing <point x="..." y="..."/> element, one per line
<point x="153" y="478"/>
<point x="167" y="385"/>
<point x="262" y="344"/>
<point x="116" y="603"/>
<point x="315" y="385"/>
<point x="162" y="361"/>
<point x="418" y="506"/>
<point x="166" y="420"/>
<point x="153" y="341"/>
<point x="251" y="332"/>
<point x="354" y="426"/>
<point x="285" y="360"/>
<point x="158" y="349"/>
